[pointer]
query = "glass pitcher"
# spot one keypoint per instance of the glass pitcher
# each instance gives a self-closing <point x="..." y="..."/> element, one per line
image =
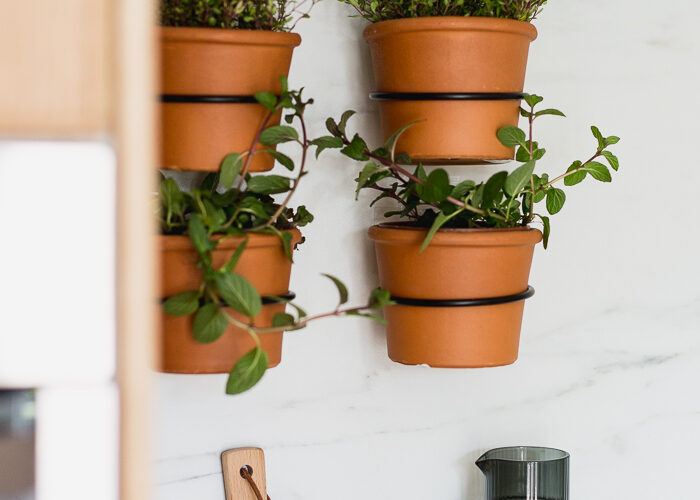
<point x="525" y="473"/>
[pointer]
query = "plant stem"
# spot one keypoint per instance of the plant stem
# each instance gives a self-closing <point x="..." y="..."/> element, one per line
<point x="567" y="174"/>
<point x="253" y="147"/>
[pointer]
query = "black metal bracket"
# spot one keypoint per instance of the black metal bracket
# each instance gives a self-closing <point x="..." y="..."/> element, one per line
<point x="208" y="99"/>
<point x="266" y="299"/>
<point x="446" y="96"/>
<point x="492" y="301"/>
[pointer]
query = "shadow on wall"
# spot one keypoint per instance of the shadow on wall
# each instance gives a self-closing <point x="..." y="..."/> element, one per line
<point x="474" y="479"/>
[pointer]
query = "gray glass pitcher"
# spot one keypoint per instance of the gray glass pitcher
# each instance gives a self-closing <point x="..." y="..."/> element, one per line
<point x="525" y="473"/>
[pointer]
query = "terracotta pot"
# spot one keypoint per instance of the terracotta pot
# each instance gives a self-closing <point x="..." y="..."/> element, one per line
<point x="450" y="55"/>
<point x="181" y="353"/>
<point x="458" y="264"/>
<point x="263" y="263"/>
<point x="217" y="62"/>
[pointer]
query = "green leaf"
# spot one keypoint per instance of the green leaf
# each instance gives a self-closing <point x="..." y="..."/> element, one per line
<point x="356" y="149"/>
<point x="278" y="134"/>
<point x="209" y="324"/>
<point x="231" y="264"/>
<point x="574" y="179"/>
<point x="283" y="319"/>
<point x="333" y="127"/>
<point x="436" y="188"/>
<point x="512" y="136"/>
<point x="198" y="234"/>
<point x="238" y="293"/>
<point x="302" y="217"/>
<point x="609" y="141"/>
<point x="599" y="137"/>
<point x="344" y="120"/>
<point x="461" y="189"/>
<point x="327" y="142"/>
<point x="555" y="200"/>
<point x="247" y="371"/>
<point x="519" y="178"/>
<point x="230" y="168"/>
<point x="380" y="298"/>
<point x="286" y="239"/>
<point x="182" y="304"/>
<point x="170" y="195"/>
<point x="612" y="160"/>
<point x="269" y="184"/>
<point x="342" y="289"/>
<point x="493" y="189"/>
<point x="533" y="99"/>
<point x="267" y="99"/>
<point x="554" y="112"/>
<point x="546" y="230"/>
<point x="373" y="317"/>
<point x="281" y="158"/>
<point x="525" y="113"/>
<point x="390" y="144"/>
<point x="599" y="171"/>
<point x="369" y="170"/>
<point x="439" y="221"/>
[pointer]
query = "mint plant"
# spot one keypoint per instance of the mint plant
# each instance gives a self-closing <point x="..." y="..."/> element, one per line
<point x="505" y="200"/>
<point x="272" y="15"/>
<point x="233" y="202"/>
<point x="376" y="11"/>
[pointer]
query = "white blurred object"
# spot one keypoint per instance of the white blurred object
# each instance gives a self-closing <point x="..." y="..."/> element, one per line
<point x="57" y="263"/>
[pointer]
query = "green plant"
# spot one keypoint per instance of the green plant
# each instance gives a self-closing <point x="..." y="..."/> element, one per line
<point x="505" y="200"/>
<point x="375" y="11"/>
<point x="273" y="15"/>
<point x="233" y="202"/>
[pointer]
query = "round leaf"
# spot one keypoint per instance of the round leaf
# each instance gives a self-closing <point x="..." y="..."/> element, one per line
<point x="209" y="324"/>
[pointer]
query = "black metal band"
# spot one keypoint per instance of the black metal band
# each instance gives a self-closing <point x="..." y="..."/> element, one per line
<point x="266" y="300"/>
<point x="446" y="96"/>
<point x="465" y="302"/>
<point x="208" y="99"/>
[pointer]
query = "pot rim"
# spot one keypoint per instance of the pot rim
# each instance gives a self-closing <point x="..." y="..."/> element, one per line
<point x="449" y="23"/>
<point x="181" y="242"/>
<point x="402" y="233"/>
<point x="229" y="36"/>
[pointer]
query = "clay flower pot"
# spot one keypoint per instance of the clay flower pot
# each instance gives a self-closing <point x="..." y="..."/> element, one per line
<point x="263" y="263"/>
<point x="443" y="318"/>
<point x="462" y="75"/>
<point x="225" y="68"/>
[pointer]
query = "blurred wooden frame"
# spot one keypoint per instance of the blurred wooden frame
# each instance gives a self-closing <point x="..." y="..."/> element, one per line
<point x="84" y="69"/>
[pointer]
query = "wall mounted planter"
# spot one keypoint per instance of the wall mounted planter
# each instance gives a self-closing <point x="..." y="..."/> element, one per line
<point x="263" y="263"/>
<point x="460" y="302"/>
<point x="463" y="76"/>
<point x="209" y="77"/>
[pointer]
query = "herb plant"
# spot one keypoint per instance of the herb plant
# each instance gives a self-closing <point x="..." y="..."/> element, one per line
<point x="505" y="200"/>
<point x="375" y="11"/>
<point x="272" y="15"/>
<point x="232" y="203"/>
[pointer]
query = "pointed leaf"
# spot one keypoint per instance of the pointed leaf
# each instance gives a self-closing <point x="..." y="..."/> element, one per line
<point x="230" y="168"/>
<point x="269" y="184"/>
<point x="519" y="178"/>
<point x="278" y="134"/>
<point x="182" y="304"/>
<point x="554" y="112"/>
<point x="598" y="171"/>
<point x="247" y="371"/>
<point x="267" y="99"/>
<point x="209" y="324"/>
<point x="231" y="264"/>
<point x="238" y="293"/>
<point x="579" y="176"/>
<point x="512" y="136"/>
<point x="436" y="188"/>
<point x="555" y="200"/>
<point x="342" y="289"/>
<point x="612" y="160"/>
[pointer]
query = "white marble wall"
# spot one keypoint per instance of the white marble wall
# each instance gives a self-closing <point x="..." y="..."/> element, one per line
<point x="609" y="367"/>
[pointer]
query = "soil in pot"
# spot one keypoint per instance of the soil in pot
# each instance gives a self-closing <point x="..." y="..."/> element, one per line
<point x="458" y="264"/>
<point x="450" y="55"/>
<point x="218" y="63"/>
<point x="263" y="263"/>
